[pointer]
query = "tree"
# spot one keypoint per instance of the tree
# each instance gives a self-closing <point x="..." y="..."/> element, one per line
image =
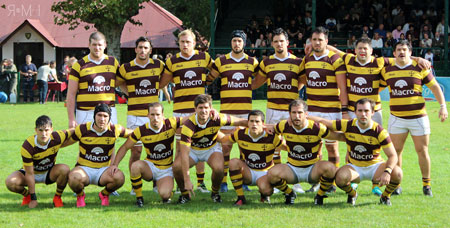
<point x="107" y="16"/>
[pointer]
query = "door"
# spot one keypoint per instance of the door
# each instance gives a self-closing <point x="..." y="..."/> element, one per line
<point x="36" y="50"/>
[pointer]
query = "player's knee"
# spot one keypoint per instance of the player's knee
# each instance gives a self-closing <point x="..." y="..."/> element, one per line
<point x="11" y="183"/>
<point x="328" y="170"/>
<point x="165" y="193"/>
<point x="397" y="174"/>
<point x="342" y="179"/>
<point x="75" y="178"/>
<point x="217" y="168"/>
<point x="63" y="170"/>
<point x="119" y="178"/>
<point x="266" y="191"/>
<point x="234" y="164"/>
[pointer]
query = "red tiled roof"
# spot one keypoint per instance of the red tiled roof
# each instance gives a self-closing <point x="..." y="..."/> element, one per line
<point x="157" y="24"/>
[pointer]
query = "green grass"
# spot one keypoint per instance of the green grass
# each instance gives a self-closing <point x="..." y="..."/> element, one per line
<point x="411" y="209"/>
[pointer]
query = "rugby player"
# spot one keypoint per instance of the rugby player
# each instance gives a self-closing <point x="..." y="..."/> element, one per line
<point x="235" y="70"/>
<point x="257" y="148"/>
<point x="97" y="140"/>
<point x="281" y="71"/>
<point x="39" y="153"/>
<point x="187" y="69"/>
<point x="302" y="141"/>
<point x="405" y="80"/>
<point x="199" y="143"/>
<point x="92" y="80"/>
<point x="365" y="138"/>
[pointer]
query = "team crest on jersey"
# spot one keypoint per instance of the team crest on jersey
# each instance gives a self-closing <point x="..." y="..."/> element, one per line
<point x="237" y="76"/>
<point x="145" y="83"/>
<point x="99" y="80"/>
<point x="160" y="147"/>
<point x="190" y="74"/>
<point x="401" y="84"/>
<point x="360" y="148"/>
<point x="279" y="77"/>
<point x="298" y="148"/>
<point x="45" y="161"/>
<point x="314" y="75"/>
<point x="97" y="150"/>
<point x="203" y="140"/>
<point x="254" y="157"/>
<point x="360" y="81"/>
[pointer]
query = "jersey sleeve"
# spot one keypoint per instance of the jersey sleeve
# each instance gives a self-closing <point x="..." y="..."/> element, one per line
<point x="121" y="76"/>
<point x="226" y="120"/>
<point x="75" y="72"/>
<point x="339" y="125"/>
<point x="209" y="61"/>
<point x="255" y="66"/>
<point x="277" y="141"/>
<point x="279" y="127"/>
<point x="324" y="132"/>
<point x="121" y="131"/>
<point x="302" y="72"/>
<point x="136" y="135"/>
<point x="384" y="139"/>
<point x="168" y="66"/>
<point x="77" y="134"/>
<point x="427" y="78"/>
<point x="26" y="153"/>
<point x="262" y="69"/>
<point x="187" y="131"/>
<point x="235" y="136"/>
<point x="216" y="65"/>
<point x="339" y="65"/>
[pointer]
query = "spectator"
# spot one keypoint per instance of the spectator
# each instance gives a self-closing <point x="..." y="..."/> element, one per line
<point x="371" y="17"/>
<point x="9" y="72"/>
<point x="438" y="42"/>
<point x="414" y="33"/>
<point x="377" y="6"/>
<point x="42" y="81"/>
<point x="351" y="42"/>
<point x="345" y="24"/>
<point x="430" y="57"/>
<point x="432" y="14"/>
<point x="259" y="40"/>
<point x="299" y="43"/>
<point x="396" y="11"/>
<point x="441" y="26"/>
<point x="402" y="37"/>
<point x="279" y="23"/>
<point x="416" y="12"/>
<point x="386" y="20"/>
<point x="388" y="44"/>
<point x="267" y="25"/>
<point x="380" y="30"/>
<point x="292" y="30"/>
<point x="300" y="23"/>
<point x="396" y="33"/>
<point x="426" y="30"/>
<point x="414" y="43"/>
<point x="28" y="71"/>
<point x="331" y="23"/>
<point x="425" y="43"/>
<point x="308" y="23"/>
<point x="377" y="44"/>
<point x="252" y="52"/>
<point x="399" y="19"/>
<point x="366" y="30"/>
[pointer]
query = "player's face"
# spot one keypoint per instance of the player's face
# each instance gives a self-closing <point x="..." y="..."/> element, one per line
<point x="43" y="133"/>
<point x="102" y="120"/>
<point x="156" y="116"/>
<point x="279" y="43"/>
<point x="187" y="44"/>
<point x="255" y="124"/>
<point x="363" y="52"/>
<point x="97" y="48"/>
<point x="202" y="111"/>
<point x="364" y="113"/>
<point x="298" y="116"/>
<point x="237" y="44"/>
<point x="402" y="53"/>
<point x="143" y="50"/>
<point x="319" y="42"/>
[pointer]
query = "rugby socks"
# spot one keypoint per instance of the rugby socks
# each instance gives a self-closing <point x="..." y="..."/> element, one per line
<point x="200" y="178"/>
<point x="237" y="180"/>
<point x="325" y="184"/>
<point x="225" y="168"/>
<point x="107" y="191"/>
<point x="185" y="193"/>
<point x="426" y="181"/>
<point x="25" y="192"/>
<point x="282" y="186"/>
<point x="390" y="188"/>
<point x="276" y="157"/>
<point x="59" y="190"/>
<point x="215" y="190"/>
<point x="349" y="190"/>
<point x="136" y="183"/>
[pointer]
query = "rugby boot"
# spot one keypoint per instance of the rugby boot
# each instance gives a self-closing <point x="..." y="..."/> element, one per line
<point x="80" y="201"/>
<point x="385" y="200"/>
<point x="290" y="198"/>
<point x="26" y="200"/>
<point x="240" y="201"/>
<point x="57" y="201"/>
<point x="202" y="188"/>
<point x="140" y="202"/>
<point x="318" y="200"/>
<point x="314" y="188"/>
<point x="352" y="199"/>
<point x="183" y="199"/>
<point x="427" y="191"/>
<point x="298" y="189"/>
<point x="377" y="191"/>
<point x="216" y="198"/>
<point x="265" y="199"/>
<point x="397" y="191"/>
<point x="104" y="199"/>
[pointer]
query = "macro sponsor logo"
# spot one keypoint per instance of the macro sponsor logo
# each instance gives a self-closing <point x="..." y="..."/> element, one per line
<point x="97" y="150"/>
<point x="237" y="76"/>
<point x="366" y="157"/>
<point x="158" y="156"/>
<point x="300" y="156"/>
<point x="254" y="157"/>
<point x="144" y="83"/>
<point x="279" y="77"/>
<point x="298" y="148"/>
<point x="45" y="161"/>
<point x="190" y="74"/>
<point x="360" y="149"/>
<point x="98" y="85"/>
<point x="99" y="80"/>
<point x="401" y="84"/>
<point x="314" y="75"/>
<point x="91" y="157"/>
<point x="401" y="92"/>
<point x="360" y="81"/>
<point x="160" y="147"/>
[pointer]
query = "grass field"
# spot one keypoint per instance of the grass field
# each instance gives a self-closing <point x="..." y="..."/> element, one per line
<point x="411" y="209"/>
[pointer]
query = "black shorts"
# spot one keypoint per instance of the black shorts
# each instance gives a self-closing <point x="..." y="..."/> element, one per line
<point x="47" y="178"/>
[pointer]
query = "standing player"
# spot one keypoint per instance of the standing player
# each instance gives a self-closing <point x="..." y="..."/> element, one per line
<point x="365" y="138"/>
<point x="324" y="76"/>
<point x="257" y="148"/>
<point x="97" y="140"/>
<point x="92" y="81"/>
<point x="187" y="69"/>
<point x="235" y="71"/>
<point x="405" y="79"/>
<point x="303" y="140"/>
<point x="39" y="156"/>
<point x="141" y="76"/>
<point x="199" y="143"/>
<point x="281" y="71"/>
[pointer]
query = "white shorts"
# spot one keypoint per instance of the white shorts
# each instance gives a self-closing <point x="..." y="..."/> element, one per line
<point x="181" y="115"/>
<point x="417" y="127"/>
<point x="377" y="116"/>
<point x="256" y="175"/>
<point x="42" y="177"/>
<point x="158" y="173"/>
<point x="242" y="116"/>
<point x="84" y="116"/>
<point x="203" y="155"/>
<point x="274" y="116"/>
<point x="94" y="174"/>
<point x="328" y="116"/>
<point x="302" y="174"/>
<point x="366" y="173"/>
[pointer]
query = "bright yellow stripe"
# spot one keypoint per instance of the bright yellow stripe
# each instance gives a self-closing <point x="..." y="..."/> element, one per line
<point x="183" y="105"/>
<point x="277" y="106"/>
<point x="235" y="66"/>
<point x="235" y="93"/>
<point x="280" y="66"/>
<point x="319" y="64"/>
<point x="327" y="92"/>
<point x="236" y="106"/>
<point x="98" y="70"/>
<point x="409" y="113"/>
<point x="189" y="91"/>
<point x="331" y="78"/>
<point x="143" y="100"/>
<point x="278" y="94"/>
<point x="356" y="137"/>
<point x="96" y="97"/>
<point x="407" y="100"/>
<point x="301" y="138"/>
<point x="71" y="77"/>
<point x="87" y="163"/>
<point x="328" y="104"/>
<point x="138" y="112"/>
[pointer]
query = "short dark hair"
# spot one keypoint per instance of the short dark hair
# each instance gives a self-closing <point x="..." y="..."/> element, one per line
<point x="97" y="36"/>
<point x="143" y="39"/>
<point x="256" y="112"/>
<point x="280" y="31"/>
<point x="403" y="42"/>
<point x="154" y="105"/>
<point x="365" y="100"/>
<point x="320" y="30"/>
<point x="202" y="99"/>
<point x="364" y="40"/>
<point x="298" y="102"/>
<point x="43" y="121"/>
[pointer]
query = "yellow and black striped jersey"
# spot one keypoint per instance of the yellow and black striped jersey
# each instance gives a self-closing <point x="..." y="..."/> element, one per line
<point x="96" y="148"/>
<point x="96" y="81"/>
<point x="282" y="80"/>
<point x="203" y="137"/>
<point x="189" y="76"/>
<point x="303" y="145"/>
<point x="142" y="84"/>
<point x="321" y="84"/>
<point x="363" y="145"/>
<point x="158" y="143"/>
<point x="236" y="83"/>
<point x="257" y="153"/>
<point x="405" y="88"/>
<point x="42" y="158"/>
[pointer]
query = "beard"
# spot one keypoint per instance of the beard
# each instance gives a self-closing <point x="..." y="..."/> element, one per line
<point x="238" y="51"/>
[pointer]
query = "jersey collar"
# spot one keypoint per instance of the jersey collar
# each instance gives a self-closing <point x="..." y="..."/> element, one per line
<point x="99" y="133"/>
<point x="363" y="64"/>
<point x="156" y="131"/>
<point x="39" y="145"/>
<point x="96" y="62"/>
<point x="256" y="139"/>
<point x="287" y="57"/>
<point x="363" y="130"/>
<point x="141" y="66"/>
<point x="403" y="67"/>
<point x="237" y="60"/>
<point x="201" y="125"/>
<point x="324" y="54"/>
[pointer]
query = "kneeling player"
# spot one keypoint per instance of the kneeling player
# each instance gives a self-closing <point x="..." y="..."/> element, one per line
<point x="97" y="140"/>
<point x="157" y="137"/>
<point x="257" y="148"/>
<point x="365" y="138"/>
<point x="303" y="140"/>
<point x="39" y="155"/>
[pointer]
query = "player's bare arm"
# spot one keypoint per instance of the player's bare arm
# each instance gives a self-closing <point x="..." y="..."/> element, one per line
<point x="258" y="81"/>
<point x="184" y="155"/>
<point x="390" y="164"/>
<point x="120" y="154"/>
<point x="165" y="79"/>
<point x="71" y="95"/>
<point x="29" y="180"/>
<point x="437" y="92"/>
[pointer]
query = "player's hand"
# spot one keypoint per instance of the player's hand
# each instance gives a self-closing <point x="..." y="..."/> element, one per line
<point x="72" y="124"/>
<point x="424" y="64"/>
<point x="345" y="116"/>
<point x="308" y="49"/>
<point x="443" y="113"/>
<point x="214" y="114"/>
<point x="270" y="129"/>
<point x="113" y="169"/>
<point x="384" y="179"/>
<point x="189" y="187"/>
<point x="33" y="204"/>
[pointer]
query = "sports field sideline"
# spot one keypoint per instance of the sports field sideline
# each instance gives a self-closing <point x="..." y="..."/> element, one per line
<point x="411" y="209"/>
